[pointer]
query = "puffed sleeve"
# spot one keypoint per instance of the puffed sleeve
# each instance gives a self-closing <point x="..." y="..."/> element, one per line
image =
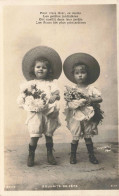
<point x="54" y="86"/>
<point x="55" y="89"/>
<point x="94" y="92"/>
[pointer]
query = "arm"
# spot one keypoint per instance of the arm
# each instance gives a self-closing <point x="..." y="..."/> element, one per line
<point x="95" y="96"/>
<point x="95" y="100"/>
<point x="54" y="96"/>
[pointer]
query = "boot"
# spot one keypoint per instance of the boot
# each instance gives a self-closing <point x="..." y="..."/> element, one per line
<point x="50" y="158"/>
<point x="92" y="157"/>
<point x="73" y="153"/>
<point x="30" y="161"/>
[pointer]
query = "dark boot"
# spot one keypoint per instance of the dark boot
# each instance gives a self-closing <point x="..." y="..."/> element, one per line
<point x="92" y="157"/>
<point x="50" y="158"/>
<point x="73" y="153"/>
<point x="30" y="161"/>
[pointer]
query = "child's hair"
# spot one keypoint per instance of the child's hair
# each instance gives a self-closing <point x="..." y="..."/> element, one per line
<point x="47" y="63"/>
<point x="86" y="68"/>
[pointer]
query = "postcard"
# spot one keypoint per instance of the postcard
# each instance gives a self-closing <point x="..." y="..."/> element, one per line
<point x="59" y="103"/>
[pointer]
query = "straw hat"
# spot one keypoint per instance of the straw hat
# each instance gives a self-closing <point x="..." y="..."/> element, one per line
<point x="41" y="52"/>
<point x="82" y="58"/>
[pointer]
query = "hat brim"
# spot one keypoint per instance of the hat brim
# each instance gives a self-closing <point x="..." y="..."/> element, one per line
<point x="82" y="58"/>
<point x="45" y="52"/>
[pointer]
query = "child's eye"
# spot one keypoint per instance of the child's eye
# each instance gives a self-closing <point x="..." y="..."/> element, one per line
<point x="37" y="66"/>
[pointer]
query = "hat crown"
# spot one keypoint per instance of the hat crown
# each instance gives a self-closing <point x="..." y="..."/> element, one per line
<point x="82" y="58"/>
<point x="43" y="52"/>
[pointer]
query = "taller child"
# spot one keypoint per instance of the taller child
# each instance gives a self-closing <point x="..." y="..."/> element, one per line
<point x="42" y="67"/>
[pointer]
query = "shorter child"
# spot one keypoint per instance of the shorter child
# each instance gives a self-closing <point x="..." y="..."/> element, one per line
<point x="83" y="113"/>
<point x="39" y="97"/>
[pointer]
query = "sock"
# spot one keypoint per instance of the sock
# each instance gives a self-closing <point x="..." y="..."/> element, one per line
<point x="48" y="139"/>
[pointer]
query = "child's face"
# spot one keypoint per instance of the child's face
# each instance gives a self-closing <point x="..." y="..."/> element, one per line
<point x="40" y="70"/>
<point x="80" y="74"/>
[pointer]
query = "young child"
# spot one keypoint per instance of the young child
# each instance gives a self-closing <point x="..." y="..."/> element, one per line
<point x="39" y="97"/>
<point x="83" y="113"/>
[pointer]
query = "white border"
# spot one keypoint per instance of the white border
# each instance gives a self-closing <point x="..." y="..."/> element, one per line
<point x="35" y="193"/>
<point x="56" y="2"/>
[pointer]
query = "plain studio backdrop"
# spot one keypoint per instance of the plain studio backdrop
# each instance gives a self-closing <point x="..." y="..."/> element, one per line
<point x="97" y="37"/>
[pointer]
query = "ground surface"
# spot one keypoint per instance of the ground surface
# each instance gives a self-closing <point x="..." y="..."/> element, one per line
<point x="63" y="176"/>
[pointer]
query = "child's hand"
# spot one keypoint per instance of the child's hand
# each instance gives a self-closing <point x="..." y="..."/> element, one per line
<point x="54" y="96"/>
<point x="89" y="101"/>
<point x="53" y="99"/>
<point x="92" y="100"/>
<point x="82" y="102"/>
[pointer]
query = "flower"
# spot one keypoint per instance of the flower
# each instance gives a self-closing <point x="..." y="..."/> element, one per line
<point x="29" y="100"/>
<point x="71" y="94"/>
<point x="21" y="99"/>
<point x="32" y="97"/>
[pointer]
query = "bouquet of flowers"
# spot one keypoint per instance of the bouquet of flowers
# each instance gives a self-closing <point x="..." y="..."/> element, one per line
<point x="33" y="98"/>
<point x="71" y="94"/>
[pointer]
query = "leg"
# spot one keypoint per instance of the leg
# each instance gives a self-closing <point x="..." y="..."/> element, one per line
<point x="89" y="145"/>
<point x="32" y="147"/>
<point x="74" y="146"/>
<point x="49" y="146"/>
<point x="52" y="124"/>
<point x="33" y="141"/>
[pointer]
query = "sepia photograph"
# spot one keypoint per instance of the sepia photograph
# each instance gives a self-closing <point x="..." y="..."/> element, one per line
<point x="59" y="76"/>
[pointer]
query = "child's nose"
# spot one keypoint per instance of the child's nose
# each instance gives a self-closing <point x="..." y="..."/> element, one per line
<point x="80" y="75"/>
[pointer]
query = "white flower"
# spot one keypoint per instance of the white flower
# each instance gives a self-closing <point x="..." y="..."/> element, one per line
<point x="29" y="100"/>
<point x="40" y="103"/>
<point x="23" y="95"/>
<point x="20" y="99"/>
<point x="30" y="108"/>
<point x="29" y="104"/>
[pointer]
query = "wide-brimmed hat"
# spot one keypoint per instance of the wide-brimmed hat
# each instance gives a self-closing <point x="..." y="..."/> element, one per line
<point x="82" y="58"/>
<point x="41" y="52"/>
